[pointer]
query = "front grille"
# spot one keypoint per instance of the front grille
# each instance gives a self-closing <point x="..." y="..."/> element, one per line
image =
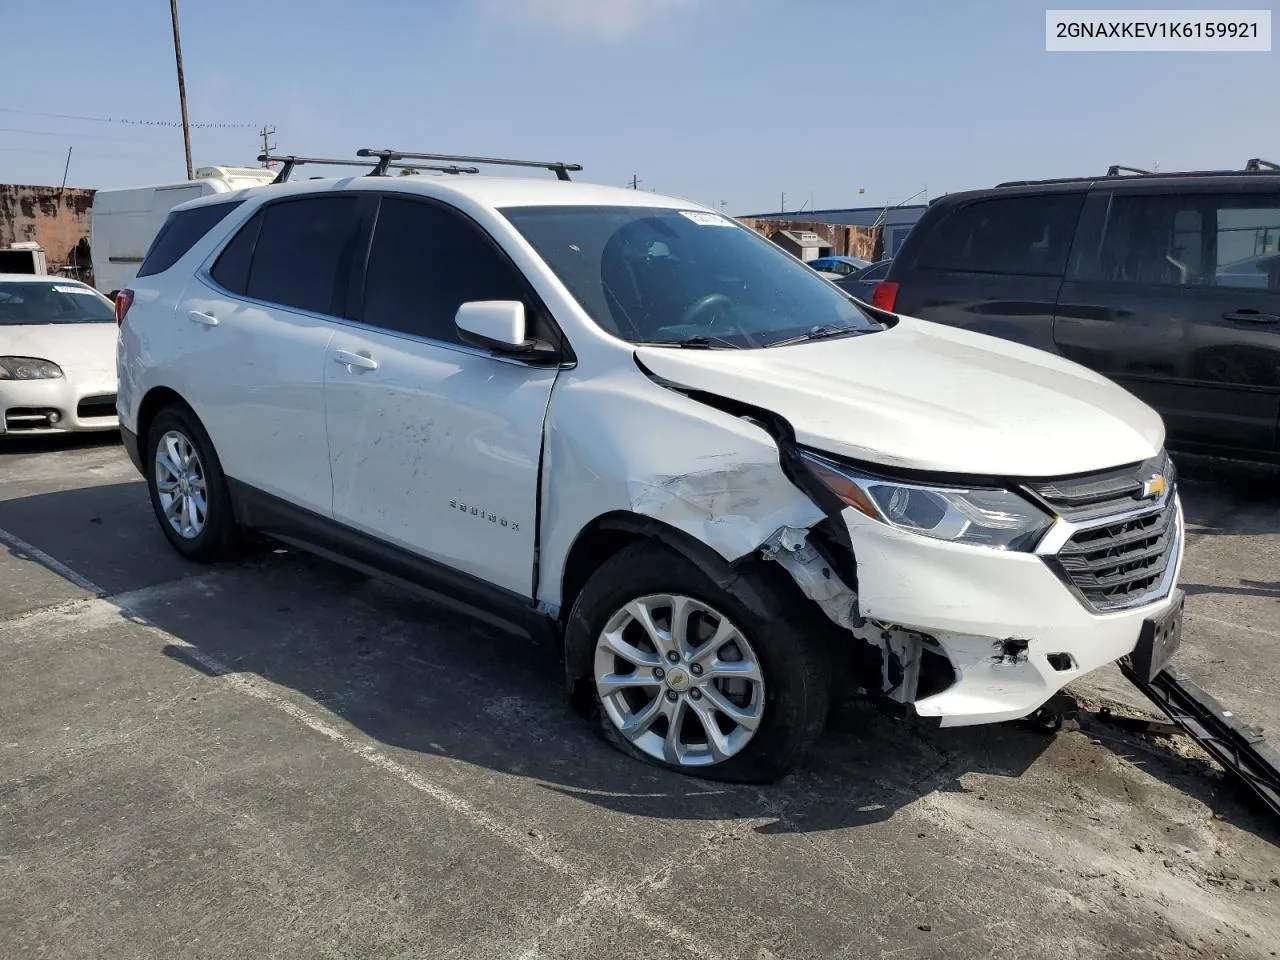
<point x="1111" y="492"/>
<point x="90" y="407"/>
<point x="1122" y="564"/>
<point x="1123" y="528"/>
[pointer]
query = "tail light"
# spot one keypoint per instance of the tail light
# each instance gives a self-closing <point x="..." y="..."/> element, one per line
<point x="124" y="300"/>
<point x="885" y="295"/>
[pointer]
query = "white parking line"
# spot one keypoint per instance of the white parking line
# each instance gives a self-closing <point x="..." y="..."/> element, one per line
<point x="27" y="551"/>
<point x="619" y="897"/>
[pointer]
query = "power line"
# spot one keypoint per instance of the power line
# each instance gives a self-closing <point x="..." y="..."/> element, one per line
<point x="68" y="135"/>
<point x="87" y="153"/>
<point x="131" y="122"/>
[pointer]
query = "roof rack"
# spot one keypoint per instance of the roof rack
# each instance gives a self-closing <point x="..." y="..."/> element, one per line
<point x="1116" y="169"/>
<point x="384" y="158"/>
<point x="379" y="171"/>
<point x="1254" y="166"/>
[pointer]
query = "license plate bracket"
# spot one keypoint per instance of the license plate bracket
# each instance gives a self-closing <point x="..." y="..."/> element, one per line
<point x="1158" y="641"/>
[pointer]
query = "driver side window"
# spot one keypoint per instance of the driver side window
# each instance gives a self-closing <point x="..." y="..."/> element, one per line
<point x="425" y="261"/>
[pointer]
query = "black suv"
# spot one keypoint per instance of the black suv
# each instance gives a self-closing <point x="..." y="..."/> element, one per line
<point x="1168" y="284"/>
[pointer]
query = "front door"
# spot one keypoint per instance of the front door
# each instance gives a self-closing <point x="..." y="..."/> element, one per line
<point x="436" y="446"/>
<point x="1177" y="298"/>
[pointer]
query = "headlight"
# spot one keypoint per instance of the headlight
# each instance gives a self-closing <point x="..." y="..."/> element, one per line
<point x="28" y="368"/>
<point x="986" y="516"/>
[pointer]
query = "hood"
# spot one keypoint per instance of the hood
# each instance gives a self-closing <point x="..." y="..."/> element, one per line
<point x="923" y="396"/>
<point x="82" y="350"/>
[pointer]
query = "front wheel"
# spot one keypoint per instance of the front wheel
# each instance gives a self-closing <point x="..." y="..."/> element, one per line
<point x="188" y="490"/>
<point x="695" y="678"/>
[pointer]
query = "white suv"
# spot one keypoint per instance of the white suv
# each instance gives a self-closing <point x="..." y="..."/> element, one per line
<point x="628" y="422"/>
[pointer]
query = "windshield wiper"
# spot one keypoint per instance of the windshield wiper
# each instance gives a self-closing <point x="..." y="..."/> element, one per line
<point x="705" y="343"/>
<point x="820" y="332"/>
<point x="701" y="342"/>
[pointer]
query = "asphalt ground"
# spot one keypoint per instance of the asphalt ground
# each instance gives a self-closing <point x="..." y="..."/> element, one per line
<point x="280" y="758"/>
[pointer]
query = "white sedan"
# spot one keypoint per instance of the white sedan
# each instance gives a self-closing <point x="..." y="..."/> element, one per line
<point x="57" y="356"/>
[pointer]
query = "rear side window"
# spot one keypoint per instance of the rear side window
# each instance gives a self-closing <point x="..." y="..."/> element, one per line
<point x="1027" y="236"/>
<point x="303" y="252"/>
<point x="231" y="270"/>
<point x="1187" y="240"/>
<point x="181" y="230"/>
<point x="1149" y="240"/>
<point x="425" y="262"/>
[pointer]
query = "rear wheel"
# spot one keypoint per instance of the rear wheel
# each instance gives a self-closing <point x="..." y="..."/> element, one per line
<point x="188" y="490"/>
<point x="695" y="678"/>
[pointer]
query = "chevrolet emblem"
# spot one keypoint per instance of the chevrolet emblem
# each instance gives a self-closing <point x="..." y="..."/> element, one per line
<point x="1153" y="487"/>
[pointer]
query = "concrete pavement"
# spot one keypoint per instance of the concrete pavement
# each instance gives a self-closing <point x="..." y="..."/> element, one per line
<point x="281" y="758"/>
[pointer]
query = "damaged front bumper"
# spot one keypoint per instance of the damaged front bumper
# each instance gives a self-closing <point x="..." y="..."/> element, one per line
<point x="1013" y="631"/>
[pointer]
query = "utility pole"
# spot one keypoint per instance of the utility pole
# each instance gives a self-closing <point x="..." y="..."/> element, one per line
<point x="267" y="146"/>
<point x="635" y="181"/>
<point x="182" y="86"/>
<point x="66" y="168"/>
<point x="782" y="205"/>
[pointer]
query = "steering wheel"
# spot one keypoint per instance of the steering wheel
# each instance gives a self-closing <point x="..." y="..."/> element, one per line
<point x="699" y="307"/>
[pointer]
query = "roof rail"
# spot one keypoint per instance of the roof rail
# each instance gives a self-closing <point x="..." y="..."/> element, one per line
<point x="1255" y="166"/>
<point x="380" y="170"/>
<point x="384" y="158"/>
<point x="1116" y="169"/>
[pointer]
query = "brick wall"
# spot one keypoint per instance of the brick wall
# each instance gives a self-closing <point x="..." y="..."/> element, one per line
<point x="56" y="219"/>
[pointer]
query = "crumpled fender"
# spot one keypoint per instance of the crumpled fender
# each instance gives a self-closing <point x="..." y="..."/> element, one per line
<point x="624" y="442"/>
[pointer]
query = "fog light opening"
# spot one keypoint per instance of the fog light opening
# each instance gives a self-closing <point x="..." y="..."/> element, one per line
<point x="1062" y="662"/>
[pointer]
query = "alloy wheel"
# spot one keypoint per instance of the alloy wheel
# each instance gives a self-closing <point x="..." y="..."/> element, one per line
<point x="679" y="680"/>
<point x="180" y="483"/>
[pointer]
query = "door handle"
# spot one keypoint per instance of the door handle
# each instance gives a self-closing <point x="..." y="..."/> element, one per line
<point x="204" y="319"/>
<point x="1250" y="316"/>
<point x="355" y="361"/>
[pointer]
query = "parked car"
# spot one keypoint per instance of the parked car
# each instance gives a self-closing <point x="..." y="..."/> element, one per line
<point x="1168" y="284"/>
<point x="57" y="356"/>
<point x="124" y="221"/>
<point x="631" y="424"/>
<point x="838" y="266"/>
<point x="862" y="283"/>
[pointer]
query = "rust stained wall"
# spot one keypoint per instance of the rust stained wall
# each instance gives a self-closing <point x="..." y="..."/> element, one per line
<point x="56" y="219"/>
<point x="864" y="242"/>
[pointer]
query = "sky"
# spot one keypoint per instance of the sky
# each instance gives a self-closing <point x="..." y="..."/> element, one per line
<point x="729" y="103"/>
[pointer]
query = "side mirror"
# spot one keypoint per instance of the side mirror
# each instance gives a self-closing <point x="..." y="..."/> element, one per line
<point x="495" y="325"/>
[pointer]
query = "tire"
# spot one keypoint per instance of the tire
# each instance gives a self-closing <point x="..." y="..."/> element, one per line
<point x="218" y="537"/>
<point x="783" y="637"/>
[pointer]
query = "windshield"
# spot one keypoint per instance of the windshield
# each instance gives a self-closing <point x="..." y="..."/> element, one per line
<point x="654" y="275"/>
<point x="53" y="302"/>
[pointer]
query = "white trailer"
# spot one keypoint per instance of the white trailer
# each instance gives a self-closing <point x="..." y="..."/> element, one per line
<point x="125" y="221"/>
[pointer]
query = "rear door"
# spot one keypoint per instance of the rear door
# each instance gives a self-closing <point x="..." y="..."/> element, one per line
<point x="257" y="326"/>
<point x="992" y="264"/>
<point x="435" y="445"/>
<point x="1173" y="295"/>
